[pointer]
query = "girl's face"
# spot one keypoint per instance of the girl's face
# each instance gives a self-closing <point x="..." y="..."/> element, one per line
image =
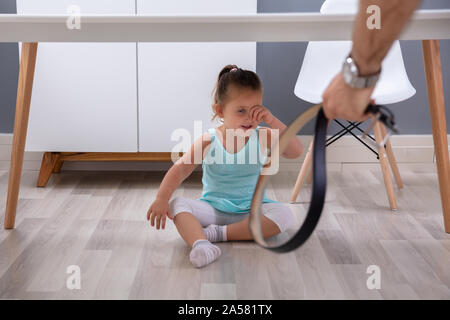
<point x="235" y="112"/>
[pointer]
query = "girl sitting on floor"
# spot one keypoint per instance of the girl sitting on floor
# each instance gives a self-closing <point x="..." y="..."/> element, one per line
<point x="229" y="175"/>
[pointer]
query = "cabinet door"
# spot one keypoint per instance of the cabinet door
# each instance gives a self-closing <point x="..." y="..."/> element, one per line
<point x="84" y="94"/>
<point x="176" y="80"/>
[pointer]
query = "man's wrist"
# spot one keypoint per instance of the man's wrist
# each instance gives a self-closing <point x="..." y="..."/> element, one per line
<point x="366" y="67"/>
<point x="353" y="76"/>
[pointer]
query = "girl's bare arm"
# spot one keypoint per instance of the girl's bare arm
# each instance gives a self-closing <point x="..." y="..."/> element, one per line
<point x="183" y="168"/>
<point x="294" y="148"/>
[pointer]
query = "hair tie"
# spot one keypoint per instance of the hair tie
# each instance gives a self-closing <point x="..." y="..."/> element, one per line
<point x="234" y="69"/>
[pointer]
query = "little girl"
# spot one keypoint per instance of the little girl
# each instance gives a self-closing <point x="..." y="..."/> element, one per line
<point x="222" y="212"/>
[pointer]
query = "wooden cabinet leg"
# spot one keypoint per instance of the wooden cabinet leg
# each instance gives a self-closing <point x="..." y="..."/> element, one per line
<point x="385" y="167"/>
<point x="49" y="161"/>
<point x="433" y="73"/>
<point x="306" y="166"/>
<point x="24" y="89"/>
<point x="391" y="157"/>
<point x="58" y="164"/>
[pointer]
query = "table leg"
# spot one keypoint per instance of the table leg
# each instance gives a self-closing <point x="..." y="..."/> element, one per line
<point x="433" y="72"/>
<point x="24" y="88"/>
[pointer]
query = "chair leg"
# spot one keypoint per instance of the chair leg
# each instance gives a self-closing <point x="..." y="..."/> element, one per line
<point x="303" y="171"/>
<point x="385" y="167"/>
<point x="392" y="161"/>
<point x="310" y="176"/>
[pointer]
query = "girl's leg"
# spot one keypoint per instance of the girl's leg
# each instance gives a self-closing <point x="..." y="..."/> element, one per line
<point x="189" y="227"/>
<point x="189" y="215"/>
<point x="240" y="231"/>
<point x="276" y="218"/>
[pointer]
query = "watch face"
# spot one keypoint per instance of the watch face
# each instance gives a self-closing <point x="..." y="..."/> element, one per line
<point x="351" y="76"/>
<point x="347" y="72"/>
<point x="354" y="69"/>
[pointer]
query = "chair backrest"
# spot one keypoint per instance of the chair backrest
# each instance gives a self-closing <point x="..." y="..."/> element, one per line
<point x="339" y="6"/>
<point x="323" y="60"/>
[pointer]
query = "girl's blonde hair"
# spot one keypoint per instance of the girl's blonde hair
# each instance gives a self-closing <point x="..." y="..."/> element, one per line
<point x="239" y="78"/>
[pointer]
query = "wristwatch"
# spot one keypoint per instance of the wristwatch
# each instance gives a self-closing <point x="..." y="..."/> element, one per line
<point x="350" y="73"/>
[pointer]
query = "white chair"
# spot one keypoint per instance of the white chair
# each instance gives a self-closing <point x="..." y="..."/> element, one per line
<point x="322" y="61"/>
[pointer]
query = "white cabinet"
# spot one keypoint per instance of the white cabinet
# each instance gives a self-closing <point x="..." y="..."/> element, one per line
<point x="127" y="97"/>
<point x="176" y="79"/>
<point x="84" y="94"/>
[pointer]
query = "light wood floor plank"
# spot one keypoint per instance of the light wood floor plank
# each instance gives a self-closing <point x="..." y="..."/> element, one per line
<point x="98" y="222"/>
<point x="437" y="257"/>
<point x="22" y="271"/>
<point x="363" y="237"/>
<point x="445" y="243"/>
<point x="337" y="249"/>
<point x="92" y="264"/>
<point x="353" y="280"/>
<point x="103" y="236"/>
<point x="417" y="271"/>
<point x="16" y="241"/>
<point x="398" y="292"/>
<point x="52" y="274"/>
<point x="127" y="246"/>
<point x="285" y="278"/>
<point x="218" y="291"/>
<point x="251" y="274"/>
<point x="319" y="279"/>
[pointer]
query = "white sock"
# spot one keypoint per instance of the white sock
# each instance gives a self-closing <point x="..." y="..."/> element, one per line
<point x="215" y="233"/>
<point x="203" y="252"/>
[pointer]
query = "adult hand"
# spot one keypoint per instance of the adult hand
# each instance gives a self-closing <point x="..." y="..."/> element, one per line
<point x="342" y="101"/>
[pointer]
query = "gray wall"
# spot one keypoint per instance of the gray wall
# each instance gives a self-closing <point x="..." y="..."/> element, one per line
<point x="278" y="65"/>
<point x="9" y="68"/>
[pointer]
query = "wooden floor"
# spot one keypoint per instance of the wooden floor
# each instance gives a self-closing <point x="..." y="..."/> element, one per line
<point x="97" y="221"/>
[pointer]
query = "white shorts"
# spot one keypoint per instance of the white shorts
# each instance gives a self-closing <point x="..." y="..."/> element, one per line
<point x="206" y="214"/>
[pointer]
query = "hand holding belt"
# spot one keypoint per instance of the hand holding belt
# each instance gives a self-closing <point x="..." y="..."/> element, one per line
<point x="379" y="113"/>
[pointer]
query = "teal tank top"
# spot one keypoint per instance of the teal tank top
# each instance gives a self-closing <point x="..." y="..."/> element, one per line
<point x="229" y="180"/>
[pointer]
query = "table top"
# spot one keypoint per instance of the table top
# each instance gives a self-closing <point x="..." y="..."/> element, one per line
<point x="261" y="27"/>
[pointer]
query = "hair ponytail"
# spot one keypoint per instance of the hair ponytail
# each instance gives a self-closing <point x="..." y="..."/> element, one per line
<point x="233" y="75"/>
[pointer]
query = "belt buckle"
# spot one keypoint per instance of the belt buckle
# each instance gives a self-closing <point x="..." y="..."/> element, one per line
<point x="385" y="115"/>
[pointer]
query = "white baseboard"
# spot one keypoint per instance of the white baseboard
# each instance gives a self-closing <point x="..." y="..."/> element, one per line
<point x="412" y="151"/>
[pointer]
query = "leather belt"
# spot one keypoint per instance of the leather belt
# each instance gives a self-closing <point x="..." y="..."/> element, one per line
<point x="319" y="182"/>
